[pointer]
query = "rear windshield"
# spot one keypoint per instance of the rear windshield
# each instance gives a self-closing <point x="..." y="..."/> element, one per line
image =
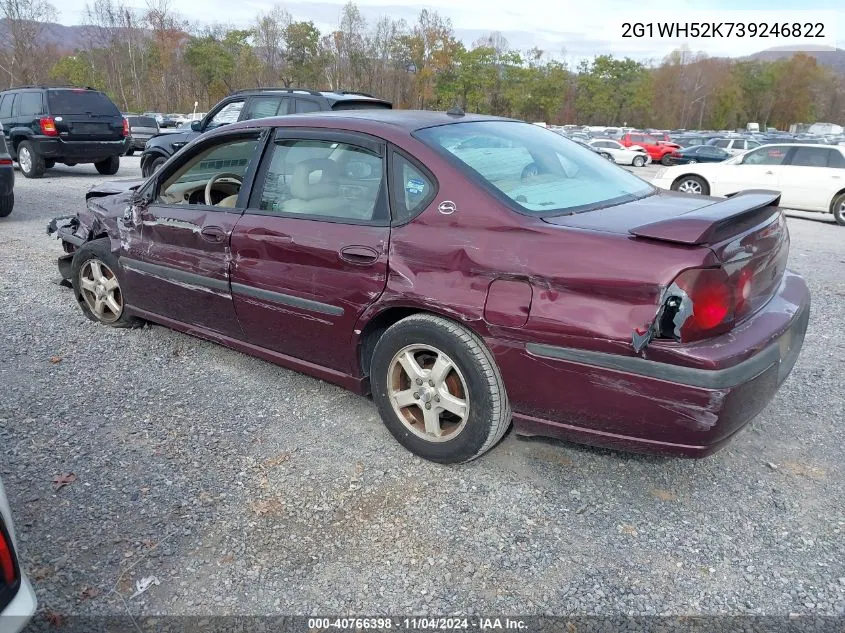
<point x="80" y="102"/>
<point x="534" y="169"/>
<point x="361" y="105"/>
<point x="142" y="121"/>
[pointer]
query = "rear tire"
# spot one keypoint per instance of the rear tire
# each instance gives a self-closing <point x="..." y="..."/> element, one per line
<point x="691" y="184"/>
<point x="666" y="160"/>
<point x="49" y="163"/>
<point x="30" y="161"/>
<point x="109" y="166"/>
<point x="129" y="152"/>
<point x="838" y="209"/>
<point x="95" y="275"/>
<point x="7" y="203"/>
<point x="638" y="161"/>
<point x="458" y="391"/>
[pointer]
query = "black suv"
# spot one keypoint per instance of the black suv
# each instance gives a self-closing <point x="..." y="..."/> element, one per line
<point x="45" y="126"/>
<point x="7" y="180"/>
<point x="257" y="103"/>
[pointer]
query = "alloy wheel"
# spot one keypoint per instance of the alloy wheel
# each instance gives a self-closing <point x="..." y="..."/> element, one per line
<point x="101" y="290"/>
<point x="428" y="393"/>
<point x="25" y="159"/>
<point x="689" y="186"/>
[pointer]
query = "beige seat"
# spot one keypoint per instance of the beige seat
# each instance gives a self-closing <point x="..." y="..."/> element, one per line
<point x="229" y="202"/>
<point x="313" y="193"/>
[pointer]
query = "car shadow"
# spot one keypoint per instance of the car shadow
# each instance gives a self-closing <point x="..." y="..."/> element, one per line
<point x="541" y="441"/>
<point x="822" y="218"/>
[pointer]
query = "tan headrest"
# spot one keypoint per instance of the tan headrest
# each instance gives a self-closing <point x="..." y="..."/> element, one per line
<point x="326" y="186"/>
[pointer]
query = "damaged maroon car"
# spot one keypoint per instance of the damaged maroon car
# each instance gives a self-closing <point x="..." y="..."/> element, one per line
<point x="467" y="271"/>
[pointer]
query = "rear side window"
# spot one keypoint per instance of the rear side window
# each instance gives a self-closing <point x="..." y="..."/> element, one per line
<point x="80" y="102"/>
<point x="723" y="143"/>
<point x="6" y="106"/>
<point x="836" y="160"/>
<point x="31" y="104"/>
<point x="412" y="189"/>
<point x="303" y="105"/>
<point x="810" y="157"/>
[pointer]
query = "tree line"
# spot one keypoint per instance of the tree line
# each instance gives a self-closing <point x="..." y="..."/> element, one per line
<point x="156" y="60"/>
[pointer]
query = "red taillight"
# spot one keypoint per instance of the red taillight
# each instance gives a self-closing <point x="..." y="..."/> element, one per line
<point x="5" y="161"/>
<point x="125" y="127"/>
<point x="48" y="126"/>
<point x="702" y="305"/>
<point x="8" y="573"/>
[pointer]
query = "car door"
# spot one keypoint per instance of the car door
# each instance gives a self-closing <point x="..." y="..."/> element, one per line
<point x="177" y="251"/>
<point x="310" y="252"/>
<point x="810" y="177"/>
<point x="757" y="169"/>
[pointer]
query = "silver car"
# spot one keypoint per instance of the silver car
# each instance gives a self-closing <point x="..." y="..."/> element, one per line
<point x="141" y="130"/>
<point x="17" y="599"/>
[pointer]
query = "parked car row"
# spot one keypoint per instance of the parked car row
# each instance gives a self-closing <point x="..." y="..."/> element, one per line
<point x="809" y="177"/>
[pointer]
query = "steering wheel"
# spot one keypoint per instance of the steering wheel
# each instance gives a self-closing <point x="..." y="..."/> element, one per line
<point x="213" y="180"/>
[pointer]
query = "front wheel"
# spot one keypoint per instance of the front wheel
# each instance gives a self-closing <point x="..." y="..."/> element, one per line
<point x="108" y="166"/>
<point x="129" y="152"/>
<point x="153" y="165"/>
<point x="666" y="160"/>
<point x="638" y="161"/>
<point x="438" y="389"/>
<point x="838" y="209"/>
<point x="691" y="184"/>
<point x="96" y="282"/>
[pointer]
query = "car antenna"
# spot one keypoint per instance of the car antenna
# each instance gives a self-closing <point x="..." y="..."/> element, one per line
<point x="456" y="111"/>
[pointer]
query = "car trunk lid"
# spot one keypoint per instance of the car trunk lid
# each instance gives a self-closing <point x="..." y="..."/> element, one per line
<point x="747" y="233"/>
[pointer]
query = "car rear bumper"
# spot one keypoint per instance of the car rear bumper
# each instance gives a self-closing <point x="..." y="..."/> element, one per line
<point x="640" y="404"/>
<point x="19" y="611"/>
<point x="79" y="151"/>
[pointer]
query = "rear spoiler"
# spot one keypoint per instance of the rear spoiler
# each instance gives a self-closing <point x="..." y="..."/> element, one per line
<point x="702" y="225"/>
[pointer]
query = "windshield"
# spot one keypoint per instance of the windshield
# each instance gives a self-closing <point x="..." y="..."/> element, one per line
<point x="80" y="102"/>
<point x="536" y="170"/>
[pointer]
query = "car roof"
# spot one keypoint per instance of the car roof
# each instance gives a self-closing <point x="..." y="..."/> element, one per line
<point x="331" y="95"/>
<point x="408" y="120"/>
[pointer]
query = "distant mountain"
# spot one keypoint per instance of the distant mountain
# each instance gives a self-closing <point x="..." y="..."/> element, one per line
<point x="59" y="36"/>
<point x="825" y="56"/>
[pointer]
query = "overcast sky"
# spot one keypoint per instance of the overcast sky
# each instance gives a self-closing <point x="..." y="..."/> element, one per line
<point x="574" y="29"/>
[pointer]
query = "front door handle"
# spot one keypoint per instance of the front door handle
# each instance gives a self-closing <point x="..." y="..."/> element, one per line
<point x="769" y="173"/>
<point x="213" y="234"/>
<point x="359" y="255"/>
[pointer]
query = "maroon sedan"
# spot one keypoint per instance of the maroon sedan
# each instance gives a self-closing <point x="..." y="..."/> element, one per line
<point x="467" y="271"/>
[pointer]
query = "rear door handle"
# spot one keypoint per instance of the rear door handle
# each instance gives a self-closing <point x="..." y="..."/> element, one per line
<point x="359" y="255"/>
<point x="213" y="234"/>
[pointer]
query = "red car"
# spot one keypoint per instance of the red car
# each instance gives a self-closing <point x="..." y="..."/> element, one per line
<point x="659" y="150"/>
<point x="465" y="270"/>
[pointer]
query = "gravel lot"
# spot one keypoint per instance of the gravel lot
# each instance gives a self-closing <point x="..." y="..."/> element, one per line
<point x="249" y="489"/>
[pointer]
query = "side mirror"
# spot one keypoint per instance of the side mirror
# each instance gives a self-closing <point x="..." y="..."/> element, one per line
<point x="196" y="126"/>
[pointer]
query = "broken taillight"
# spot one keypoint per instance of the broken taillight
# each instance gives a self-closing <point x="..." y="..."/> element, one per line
<point x="8" y="569"/>
<point x="700" y="303"/>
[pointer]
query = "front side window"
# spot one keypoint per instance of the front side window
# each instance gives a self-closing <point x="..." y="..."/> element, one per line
<point x="322" y="179"/>
<point x="766" y="155"/>
<point x="535" y="170"/>
<point x="229" y="113"/>
<point x="722" y="142"/>
<point x="224" y="165"/>
<point x="31" y="104"/>
<point x="262" y="107"/>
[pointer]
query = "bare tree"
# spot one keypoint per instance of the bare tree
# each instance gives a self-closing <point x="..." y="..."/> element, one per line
<point x="25" y="21"/>
<point x="270" y="29"/>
